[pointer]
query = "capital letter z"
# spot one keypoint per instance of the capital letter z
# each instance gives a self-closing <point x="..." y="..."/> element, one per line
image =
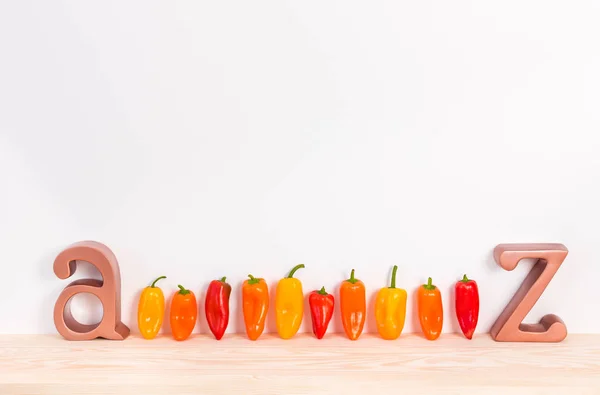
<point x="509" y="326"/>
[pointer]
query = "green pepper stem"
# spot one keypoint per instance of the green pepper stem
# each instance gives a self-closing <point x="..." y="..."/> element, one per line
<point x="300" y="266"/>
<point x="160" y="278"/>
<point x="322" y="291"/>
<point x="223" y="279"/>
<point x="352" y="279"/>
<point x="465" y="279"/>
<point x="394" y="270"/>
<point x="253" y="280"/>
<point x="183" y="291"/>
<point x="429" y="286"/>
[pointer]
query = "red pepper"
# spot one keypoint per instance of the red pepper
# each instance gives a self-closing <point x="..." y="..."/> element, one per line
<point x="217" y="307"/>
<point x="467" y="305"/>
<point x="321" y="310"/>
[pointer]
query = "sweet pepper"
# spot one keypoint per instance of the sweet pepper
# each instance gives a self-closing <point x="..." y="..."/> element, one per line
<point x="289" y="304"/>
<point x="390" y="310"/>
<point x="184" y="310"/>
<point x="353" y="303"/>
<point x="467" y="305"/>
<point x="216" y="307"/>
<point x="151" y="310"/>
<point x="431" y="312"/>
<point x="321" y="310"/>
<point x="255" y="305"/>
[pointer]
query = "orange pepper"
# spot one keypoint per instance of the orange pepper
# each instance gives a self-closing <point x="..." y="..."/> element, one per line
<point x="184" y="310"/>
<point x="353" y="303"/>
<point x="431" y="311"/>
<point x="255" y="305"/>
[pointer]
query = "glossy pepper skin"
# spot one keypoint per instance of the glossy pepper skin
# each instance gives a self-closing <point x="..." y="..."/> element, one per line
<point x="184" y="310"/>
<point x="151" y="310"/>
<point x="255" y="306"/>
<point x="216" y="307"/>
<point x="353" y="303"/>
<point x="467" y="305"/>
<point x="289" y="305"/>
<point x="431" y="312"/>
<point x="321" y="310"/>
<point x="390" y="310"/>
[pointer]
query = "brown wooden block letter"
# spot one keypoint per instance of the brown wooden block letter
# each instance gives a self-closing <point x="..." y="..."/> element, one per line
<point x="509" y="326"/>
<point x="108" y="290"/>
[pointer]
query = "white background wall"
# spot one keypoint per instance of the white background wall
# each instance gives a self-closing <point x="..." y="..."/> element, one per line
<point x="202" y="139"/>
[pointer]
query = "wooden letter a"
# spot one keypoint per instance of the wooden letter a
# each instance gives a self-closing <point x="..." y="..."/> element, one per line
<point x="108" y="290"/>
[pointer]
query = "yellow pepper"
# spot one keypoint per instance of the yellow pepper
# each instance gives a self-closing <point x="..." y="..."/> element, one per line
<point x="390" y="310"/>
<point x="151" y="310"/>
<point x="289" y="305"/>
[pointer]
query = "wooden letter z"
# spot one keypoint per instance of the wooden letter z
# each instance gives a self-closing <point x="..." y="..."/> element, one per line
<point x="509" y="326"/>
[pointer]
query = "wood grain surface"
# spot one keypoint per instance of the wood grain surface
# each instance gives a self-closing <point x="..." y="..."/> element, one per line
<point x="34" y="364"/>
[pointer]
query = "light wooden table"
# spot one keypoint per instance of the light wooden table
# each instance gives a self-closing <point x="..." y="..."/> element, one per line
<point x="303" y="365"/>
